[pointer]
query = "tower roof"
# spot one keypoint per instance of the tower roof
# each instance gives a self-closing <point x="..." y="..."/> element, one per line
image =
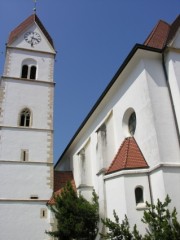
<point x="129" y="156"/>
<point x="162" y="34"/>
<point x="25" y="24"/>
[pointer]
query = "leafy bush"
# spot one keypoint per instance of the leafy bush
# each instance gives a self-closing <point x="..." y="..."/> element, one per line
<point x="76" y="217"/>
<point x="161" y="224"/>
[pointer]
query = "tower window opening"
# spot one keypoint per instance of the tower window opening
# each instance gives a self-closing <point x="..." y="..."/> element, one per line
<point x="43" y="213"/>
<point x="33" y="72"/>
<point x="139" y="195"/>
<point x="25" y="118"/>
<point x="24" y="155"/>
<point x="24" y="73"/>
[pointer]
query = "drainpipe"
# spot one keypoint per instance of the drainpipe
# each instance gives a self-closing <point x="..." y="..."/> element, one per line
<point x="150" y="188"/>
<point x="170" y="96"/>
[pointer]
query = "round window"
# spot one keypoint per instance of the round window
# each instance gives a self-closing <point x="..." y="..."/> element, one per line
<point x="132" y="123"/>
<point x="129" y="122"/>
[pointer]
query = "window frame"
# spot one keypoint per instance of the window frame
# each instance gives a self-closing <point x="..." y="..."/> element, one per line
<point x="139" y="196"/>
<point x="31" y="69"/>
<point x="25" y="119"/>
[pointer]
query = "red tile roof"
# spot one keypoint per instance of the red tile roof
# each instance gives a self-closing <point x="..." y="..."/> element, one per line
<point x="60" y="180"/>
<point x="162" y="34"/>
<point x="25" y="24"/>
<point x="129" y="156"/>
<point x="174" y="27"/>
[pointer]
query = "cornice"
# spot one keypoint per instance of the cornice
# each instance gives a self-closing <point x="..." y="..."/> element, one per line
<point x="28" y="80"/>
<point x="27" y="128"/>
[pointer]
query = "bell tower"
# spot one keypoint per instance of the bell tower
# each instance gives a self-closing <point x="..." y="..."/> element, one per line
<point x="26" y="132"/>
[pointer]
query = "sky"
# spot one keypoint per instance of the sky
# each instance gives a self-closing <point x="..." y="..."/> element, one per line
<point x="92" y="39"/>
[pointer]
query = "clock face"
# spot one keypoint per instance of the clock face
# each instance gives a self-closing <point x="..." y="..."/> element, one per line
<point x="32" y="38"/>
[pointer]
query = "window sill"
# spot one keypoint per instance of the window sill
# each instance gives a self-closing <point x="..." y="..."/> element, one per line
<point x="141" y="206"/>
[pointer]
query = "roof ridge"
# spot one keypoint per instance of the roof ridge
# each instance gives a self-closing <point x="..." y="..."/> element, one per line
<point x="127" y="150"/>
<point x="151" y="35"/>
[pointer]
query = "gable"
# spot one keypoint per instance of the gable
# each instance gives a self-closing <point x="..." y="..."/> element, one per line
<point x="31" y="31"/>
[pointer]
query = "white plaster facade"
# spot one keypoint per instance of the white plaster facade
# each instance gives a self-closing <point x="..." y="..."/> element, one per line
<point x="147" y="83"/>
<point x="26" y="151"/>
<point x="140" y="85"/>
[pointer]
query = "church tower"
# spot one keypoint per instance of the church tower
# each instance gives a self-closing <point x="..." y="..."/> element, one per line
<point x="26" y="132"/>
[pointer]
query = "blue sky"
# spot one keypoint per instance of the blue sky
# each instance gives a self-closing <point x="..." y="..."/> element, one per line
<point x="92" y="38"/>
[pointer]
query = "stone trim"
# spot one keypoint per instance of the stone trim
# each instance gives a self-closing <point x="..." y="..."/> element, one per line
<point x="51" y="69"/>
<point x="23" y="200"/>
<point x="7" y="62"/>
<point x="141" y="170"/>
<point x="25" y="162"/>
<point x="27" y="128"/>
<point x="50" y="179"/>
<point x="50" y="124"/>
<point x="30" y="50"/>
<point x="49" y="147"/>
<point x="2" y="97"/>
<point x="50" y="107"/>
<point x="5" y="77"/>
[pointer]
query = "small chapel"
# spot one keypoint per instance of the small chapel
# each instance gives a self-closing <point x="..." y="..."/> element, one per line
<point x="127" y="149"/>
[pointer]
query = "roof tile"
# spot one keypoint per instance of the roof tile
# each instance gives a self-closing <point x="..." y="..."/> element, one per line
<point x="129" y="156"/>
<point x="158" y="36"/>
<point x="60" y="180"/>
<point x="162" y="34"/>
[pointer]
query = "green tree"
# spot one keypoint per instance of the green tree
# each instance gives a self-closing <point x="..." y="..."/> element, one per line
<point x="162" y="224"/>
<point x="119" y="231"/>
<point x="76" y="217"/>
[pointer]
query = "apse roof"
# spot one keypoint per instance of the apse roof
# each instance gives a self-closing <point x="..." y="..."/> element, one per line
<point x="25" y="24"/>
<point x="129" y="156"/>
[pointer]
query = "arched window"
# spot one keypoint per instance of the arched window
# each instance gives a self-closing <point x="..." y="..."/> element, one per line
<point x="33" y="72"/>
<point x="29" y="68"/>
<point x="139" y="195"/>
<point x="25" y="117"/>
<point x="24" y="73"/>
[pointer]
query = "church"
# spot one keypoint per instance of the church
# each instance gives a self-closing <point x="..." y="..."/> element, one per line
<point x="127" y="148"/>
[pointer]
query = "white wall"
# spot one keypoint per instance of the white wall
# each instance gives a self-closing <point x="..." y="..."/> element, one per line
<point x="142" y="87"/>
<point x="163" y="119"/>
<point x="173" y="71"/>
<point x="20" y="95"/>
<point x="13" y="141"/>
<point x="45" y="64"/>
<point x="21" y="180"/>
<point x="21" y="220"/>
